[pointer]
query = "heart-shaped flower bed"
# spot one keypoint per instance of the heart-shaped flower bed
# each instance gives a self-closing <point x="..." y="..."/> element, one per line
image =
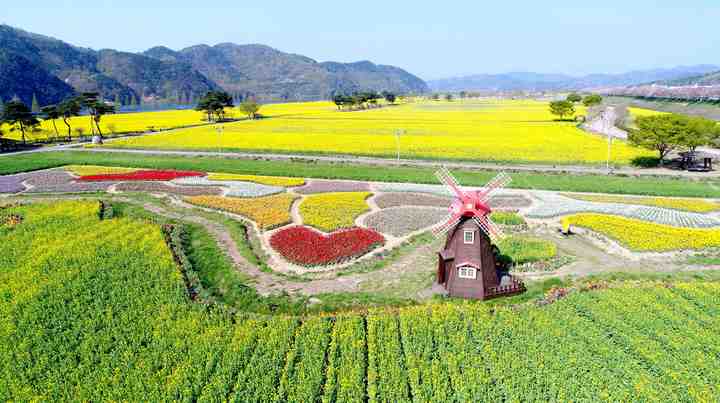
<point x="307" y="247"/>
<point x="146" y="175"/>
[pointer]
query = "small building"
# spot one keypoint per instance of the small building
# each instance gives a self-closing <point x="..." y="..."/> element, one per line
<point x="468" y="265"/>
<point x="699" y="160"/>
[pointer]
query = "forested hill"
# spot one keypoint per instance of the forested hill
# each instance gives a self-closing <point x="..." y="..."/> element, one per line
<point x="51" y="69"/>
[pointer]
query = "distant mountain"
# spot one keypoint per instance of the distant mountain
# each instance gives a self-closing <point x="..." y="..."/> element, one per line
<point x="265" y="72"/>
<point x="712" y="78"/>
<point x="50" y="69"/>
<point x="557" y="82"/>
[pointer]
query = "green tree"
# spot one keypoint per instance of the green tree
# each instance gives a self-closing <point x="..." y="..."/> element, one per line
<point x="435" y="97"/>
<point x="448" y="97"/>
<point x="35" y="106"/>
<point x="574" y="98"/>
<point x="67" y="109"/>
<point x="699" y="131"/>
<point x="592" y="100"/>
<point x="562" y="108"/>
<point x="661" y="133"/>
<point x="250" y="108"/>
<point x="51" y="113"/>
<point x="214" y="104"/>
<point x="390" y="97"/>
<point x="19" y="117"/>
<point x="97" y="108"/>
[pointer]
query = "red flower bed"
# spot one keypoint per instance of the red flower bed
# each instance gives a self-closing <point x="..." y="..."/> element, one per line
<point x="307" y="247"/>
<point x="147" y="175"/>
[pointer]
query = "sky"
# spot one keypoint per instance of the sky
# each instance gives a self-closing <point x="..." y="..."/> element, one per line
<point x="432" y="39"/>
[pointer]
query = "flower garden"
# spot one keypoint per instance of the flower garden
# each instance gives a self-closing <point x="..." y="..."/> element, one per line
<point x="61" y="341"/>
<point x="646" y="236"/>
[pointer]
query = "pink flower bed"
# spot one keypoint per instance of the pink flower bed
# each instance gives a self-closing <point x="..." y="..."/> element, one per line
<point x="307" y="247"/>
<point x="146" y="175"/>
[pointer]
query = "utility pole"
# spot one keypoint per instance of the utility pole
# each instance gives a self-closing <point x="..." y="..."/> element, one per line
<point x="398" y="132"/>
<point x="220" y="129"/>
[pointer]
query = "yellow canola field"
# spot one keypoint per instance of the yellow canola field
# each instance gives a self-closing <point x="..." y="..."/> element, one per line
<point x="117" y="123"/>
<point x="501" y="131"/>
<point x="645" y="236"/>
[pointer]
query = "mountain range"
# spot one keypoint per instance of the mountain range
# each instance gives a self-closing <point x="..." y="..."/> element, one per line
<point x="50" y="69"/>
<point x="556" y="82"/>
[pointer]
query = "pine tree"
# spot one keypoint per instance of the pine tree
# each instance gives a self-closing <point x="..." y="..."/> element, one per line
<point x="35" y="105"/>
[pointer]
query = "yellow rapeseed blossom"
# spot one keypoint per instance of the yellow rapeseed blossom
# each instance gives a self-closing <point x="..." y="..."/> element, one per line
<point x="83" y="170"/>
<point x="268" y="212"/>
<point x="497" y="130"/>
<point x="264" y="180"/>
<point x="331" y="211"/>
<point x="694" y="205"/>
<point x="645" y="236"/>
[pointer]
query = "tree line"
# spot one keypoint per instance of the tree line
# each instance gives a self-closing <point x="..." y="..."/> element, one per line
<point x="20" y="117"/>
<point x="362" y="100"/>
<point x="214" y="105"/>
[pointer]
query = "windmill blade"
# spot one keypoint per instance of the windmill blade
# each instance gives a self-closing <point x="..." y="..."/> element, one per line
<point x="446" y="178"/>
<point x="490" y="228"/>
<point x="498" y="182"/>
<point x="448" y="223"/>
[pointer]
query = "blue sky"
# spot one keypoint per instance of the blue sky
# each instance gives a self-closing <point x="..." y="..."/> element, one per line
<point x="432" y="39"/>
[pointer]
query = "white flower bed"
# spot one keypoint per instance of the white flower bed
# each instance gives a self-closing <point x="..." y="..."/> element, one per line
<point x="401" y="221"/>
<point x="553" y="205"/>
<point x="235" y="188"/>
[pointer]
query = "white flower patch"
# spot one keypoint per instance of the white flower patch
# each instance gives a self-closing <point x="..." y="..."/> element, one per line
<point x="554" y="205"/>
<point x="235" y="188"/>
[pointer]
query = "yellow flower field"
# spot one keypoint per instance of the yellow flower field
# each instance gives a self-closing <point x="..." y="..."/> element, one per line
<point x="694" y="205"/>
<point x="263" y="180"/>
<point x="644" y="236"/>
<point x="268" y="212"/>
<point x="119" y="123"/>
<point x="84" y="170"/>
<point x="331" y="211"/>
<point x="489" y="130"/>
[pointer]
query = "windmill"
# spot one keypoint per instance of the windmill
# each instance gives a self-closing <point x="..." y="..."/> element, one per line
<point x="467" y="265"/>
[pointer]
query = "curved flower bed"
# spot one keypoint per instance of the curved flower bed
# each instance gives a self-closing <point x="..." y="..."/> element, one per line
<point x="692" y="205"/>
<point x="50" y="177"/>
<point x="307" y="247"/>
<point x="268" y="212"/>
<point x="644" y="236"/>
<point x="165" y="188"/>
<point x="401" y="221"/>
<point x="331" y="211"/>
<point x="554" y="206"/>
<point x="86" y="170"/>
<point x="12" y="183"/>
<point x="147" y="175"/>
<point x="263" y="180"/>
<point x="333" y="186"/>
<point x="398" y="199"/>
<point x="235" y="188"/>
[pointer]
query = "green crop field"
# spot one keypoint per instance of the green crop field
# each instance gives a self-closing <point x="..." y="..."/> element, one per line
<point x="95" y="309"/>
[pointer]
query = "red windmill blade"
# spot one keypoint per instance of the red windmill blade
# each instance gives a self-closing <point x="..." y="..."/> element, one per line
<point x="470" y="204"/>
<point x="498" y="182"/>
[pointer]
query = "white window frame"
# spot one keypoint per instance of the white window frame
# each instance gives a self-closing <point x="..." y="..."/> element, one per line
<point x="465" y="237"/>
<point x="467" y="272"/>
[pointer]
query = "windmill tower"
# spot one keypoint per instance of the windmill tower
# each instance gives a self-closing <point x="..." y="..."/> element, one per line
<point x="467" y="265"/>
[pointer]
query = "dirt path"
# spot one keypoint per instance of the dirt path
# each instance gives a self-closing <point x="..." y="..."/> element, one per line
<point x="266" y="283"/>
